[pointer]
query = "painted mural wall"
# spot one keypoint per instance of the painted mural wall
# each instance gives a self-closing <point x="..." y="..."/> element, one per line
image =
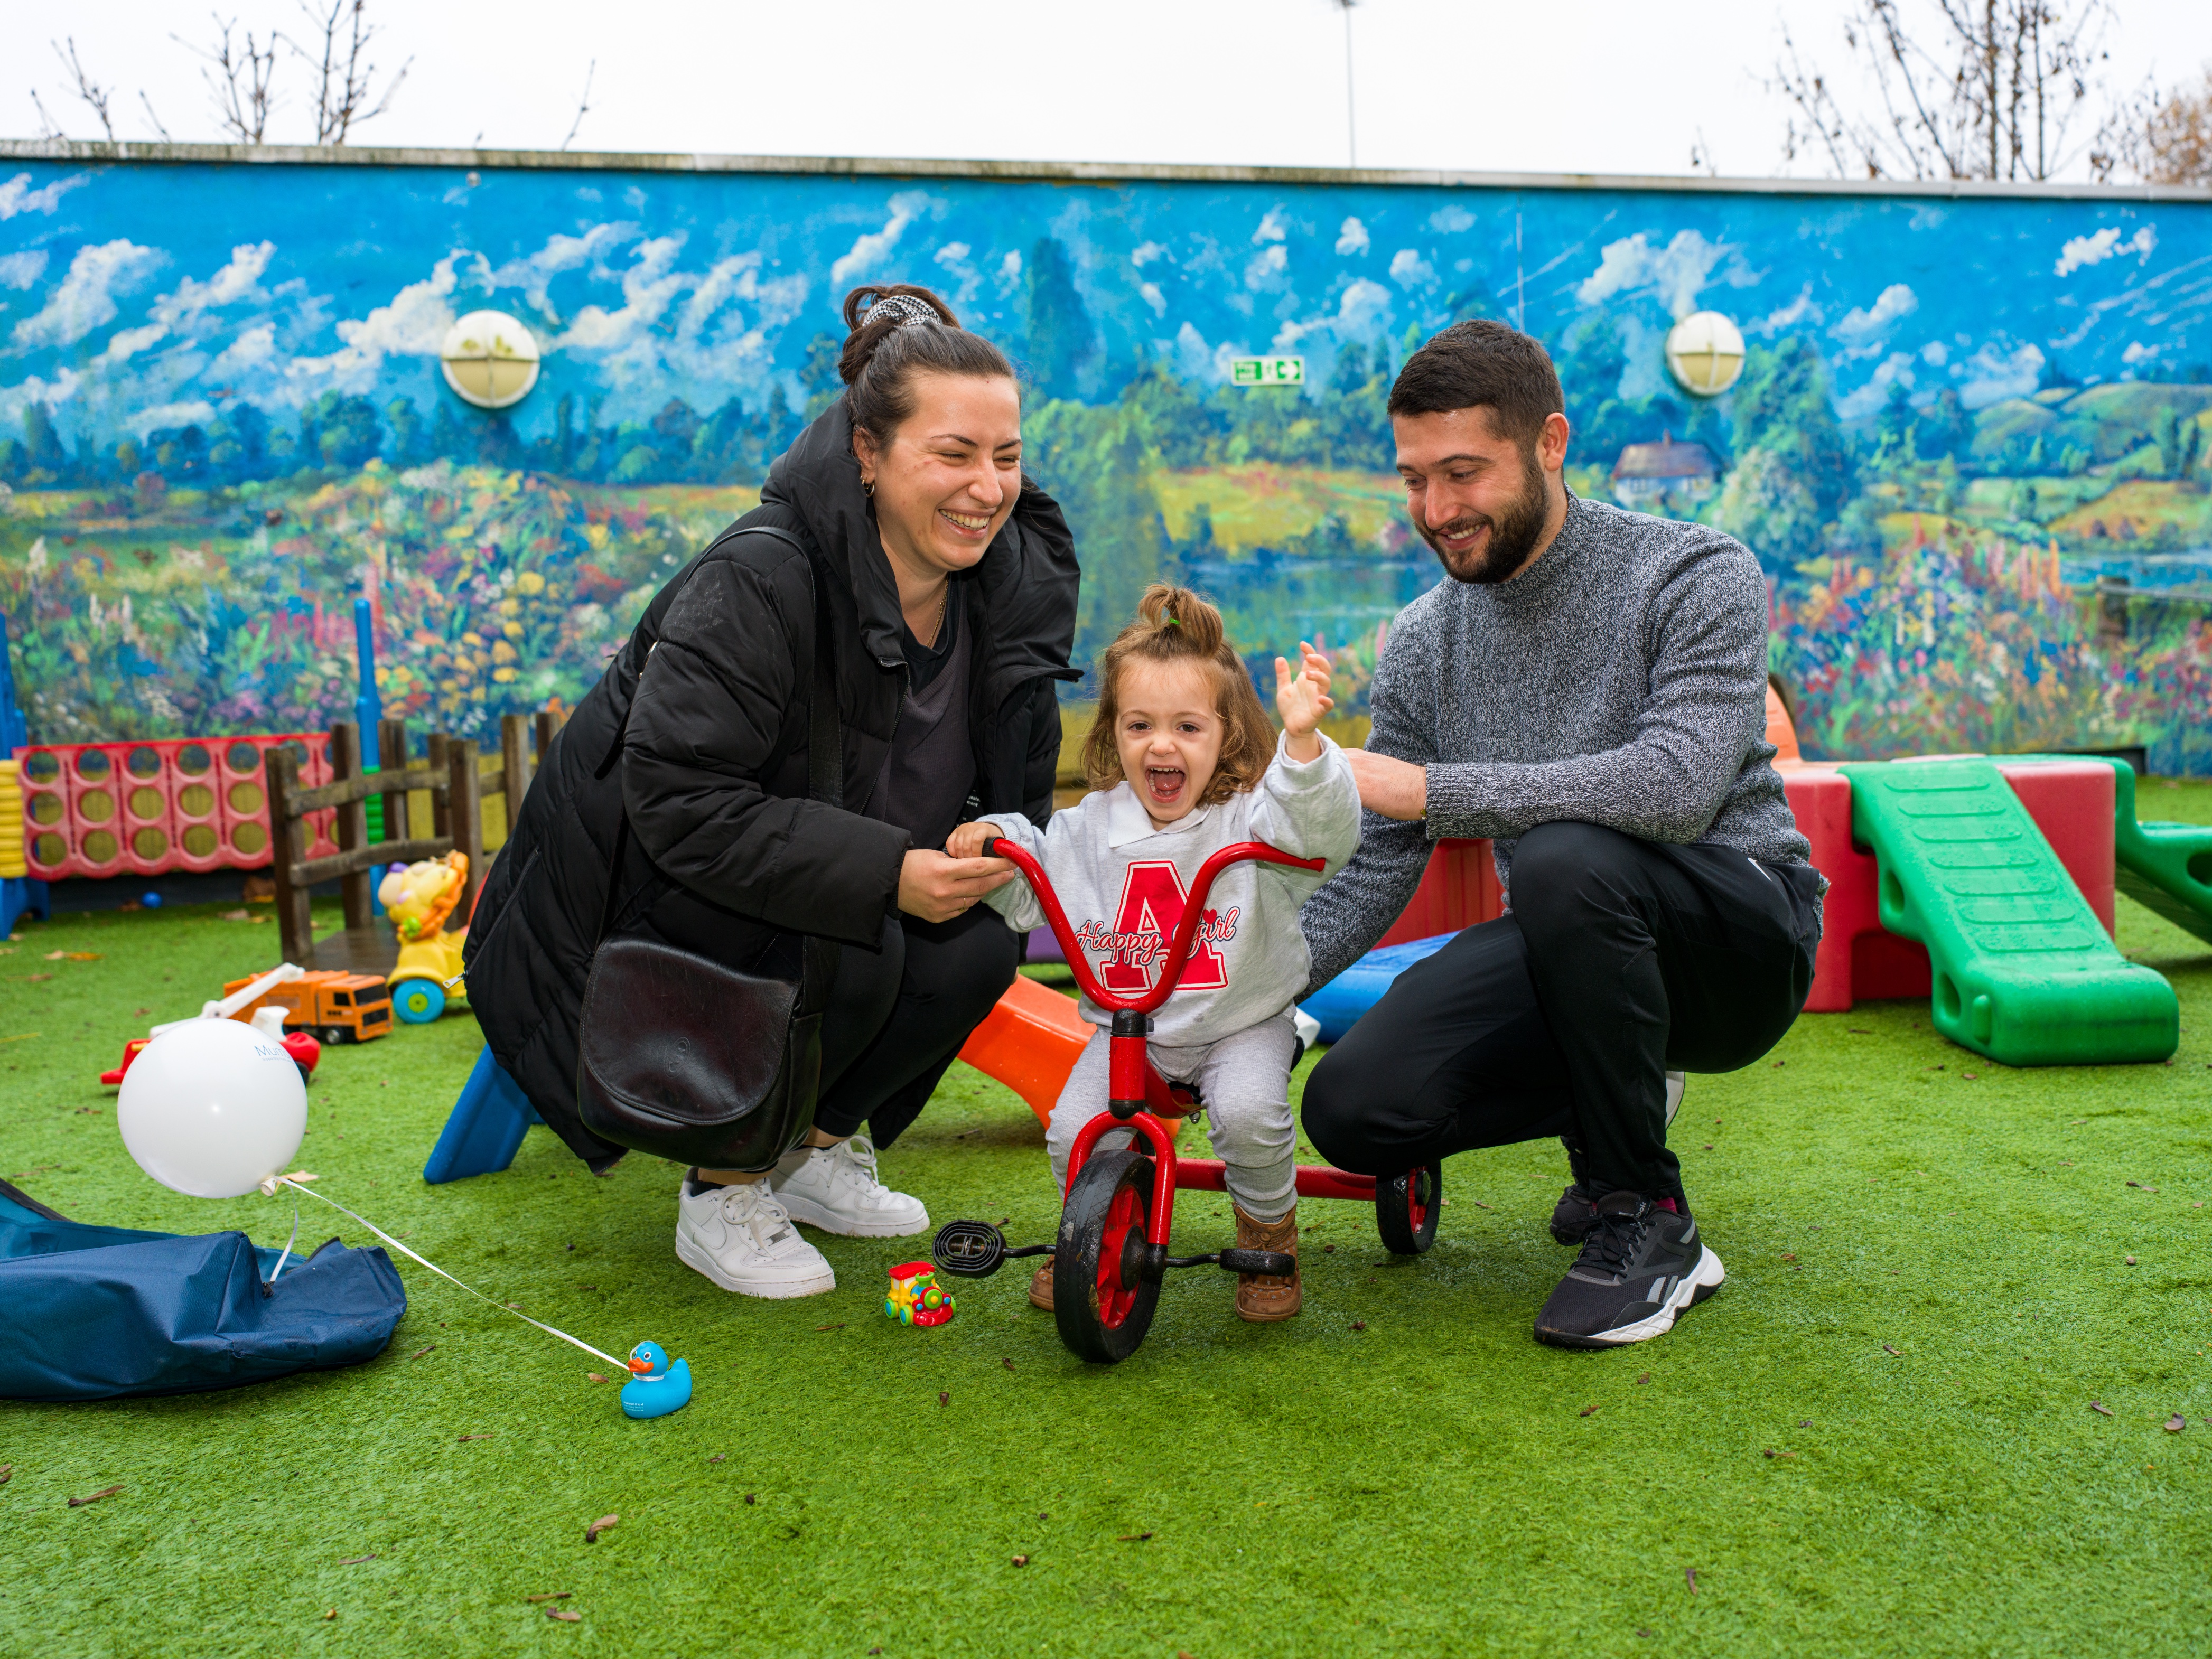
<point x="222" y="419"/>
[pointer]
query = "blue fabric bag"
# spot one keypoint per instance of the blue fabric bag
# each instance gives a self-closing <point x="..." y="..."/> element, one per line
<point x="93" y="1312"/>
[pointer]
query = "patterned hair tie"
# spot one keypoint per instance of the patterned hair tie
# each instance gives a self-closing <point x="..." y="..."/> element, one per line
<point x="902" y="309"/>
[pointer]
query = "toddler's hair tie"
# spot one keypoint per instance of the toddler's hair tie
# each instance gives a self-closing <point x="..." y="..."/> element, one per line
<point x="1171" y="621"/>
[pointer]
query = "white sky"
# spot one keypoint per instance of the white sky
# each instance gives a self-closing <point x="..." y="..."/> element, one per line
<point x="1562" y="86"/>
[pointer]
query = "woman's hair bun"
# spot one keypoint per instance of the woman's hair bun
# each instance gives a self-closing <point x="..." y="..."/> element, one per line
<point x="876" y="310"/>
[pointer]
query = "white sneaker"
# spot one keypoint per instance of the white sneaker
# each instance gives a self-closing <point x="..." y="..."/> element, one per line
<point x="743" y="1239"/>
<point x="835" y="1188"/>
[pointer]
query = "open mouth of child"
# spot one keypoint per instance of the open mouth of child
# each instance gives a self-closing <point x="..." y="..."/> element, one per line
<point x="1163" y="784"/>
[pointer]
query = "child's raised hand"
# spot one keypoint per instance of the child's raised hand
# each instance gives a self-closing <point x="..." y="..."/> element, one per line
<point x="967" y="841"/>
<point x="1302" y="698"/>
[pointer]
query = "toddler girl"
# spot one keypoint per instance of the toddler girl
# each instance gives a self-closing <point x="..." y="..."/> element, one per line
<point x="1184" y="764"/>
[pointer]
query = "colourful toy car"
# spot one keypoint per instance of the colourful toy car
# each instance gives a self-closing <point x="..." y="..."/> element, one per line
<point x="419" y="897"/>
<point x="915" y="1297"/>
<point x="336" y="1007"/>
<point x="306" y="1054"/>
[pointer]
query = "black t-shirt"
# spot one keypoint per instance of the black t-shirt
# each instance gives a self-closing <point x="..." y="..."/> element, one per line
<point x="923" y="662"/>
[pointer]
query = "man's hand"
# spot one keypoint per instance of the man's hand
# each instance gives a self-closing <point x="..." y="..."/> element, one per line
<point x="936" y="887"/>
<point x="967" y="841"/>
<point x="1396" y="788"/>
<point x="1302" y="699"/>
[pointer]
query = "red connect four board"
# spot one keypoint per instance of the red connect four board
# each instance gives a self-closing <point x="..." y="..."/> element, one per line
<point x="196" y="804"/>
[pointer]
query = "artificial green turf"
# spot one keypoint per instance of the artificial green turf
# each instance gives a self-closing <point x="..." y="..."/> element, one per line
<point x="1927" y="1285"/>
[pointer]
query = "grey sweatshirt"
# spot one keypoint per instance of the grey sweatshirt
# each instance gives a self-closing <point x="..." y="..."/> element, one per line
<point x="1121" y="884"/>
<point x="1620" y="680"/>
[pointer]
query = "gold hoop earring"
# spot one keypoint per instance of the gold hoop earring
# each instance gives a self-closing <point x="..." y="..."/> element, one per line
<point x="868" y="488"/>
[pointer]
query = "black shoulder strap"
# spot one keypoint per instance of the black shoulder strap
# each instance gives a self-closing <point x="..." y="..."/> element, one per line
<point x="825" y="774"/>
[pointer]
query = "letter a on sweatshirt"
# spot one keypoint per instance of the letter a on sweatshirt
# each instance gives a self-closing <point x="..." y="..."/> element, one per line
<point x="1143" y="923"/>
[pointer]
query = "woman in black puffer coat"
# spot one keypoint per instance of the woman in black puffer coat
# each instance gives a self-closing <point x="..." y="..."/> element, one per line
<point x="951" y="582"/>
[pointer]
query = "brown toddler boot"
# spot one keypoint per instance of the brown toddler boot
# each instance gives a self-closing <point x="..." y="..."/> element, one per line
<point x="1262" y="1297"/>
<point x="1041" y="1286"/>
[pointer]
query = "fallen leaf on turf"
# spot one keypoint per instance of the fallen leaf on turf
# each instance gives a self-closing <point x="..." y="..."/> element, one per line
<point x="1588" y="1410"/>
<point x="1887" y="1349"/>
<point x="2176" y="1424"/>
<point x="94" y="1497"/>
<point x="1358" y="1324"/>
<point x="1328" y="1250"/>
<point x="1008" y="1364"/>
<point x="1969" y="1076"/>
<point x="2131" y="1261"/>
<point x="564" y="1615"/>
<point x="356" y="1560"/>
<point x="592" y="1533"/>
<point x="1789" y="1255"/>
<point x="1477" y="1202"/>
<point x="1804" y="1422"/>
<point x="7" y="1473"/>
<point x="750" y="1498"/>
<point x="236" y="915"/>
<point x="331" y="1614"/>
<point x="2146" y="1188"/>
<point x="486" y="1435"/>
<point x="717" y="1457"/>
<point x="1770" y="1452"/>
<point x="1689" y="1578"/>
<point x="1019" y="1561"/>
<point x="944" y="1399"/>
<point x="1856" y="1032"/>
<point x="1044" y="1515"/>
<point x="549" y="1595"/>
<point x="2100" y="1406"/>
<point x="37" y="979"/>
<point x="77" y="956"/>
<point x="593" y="1377"/>
<point x="419" y="1352"/>
<point x="828" y="1328"/>
<point x="1641" y="1380"/>
<point x="1132" y="1538"/>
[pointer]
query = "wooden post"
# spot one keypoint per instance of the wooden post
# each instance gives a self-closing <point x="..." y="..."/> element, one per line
<point x="352" y="825"/>
<point x="434" y="753"/>
<point x="392" y="755"/>
<point x="515" y="753"/>
<point x="549" y="725"/>
<point x="463" y="804"/>
<point x="295" y="927"/>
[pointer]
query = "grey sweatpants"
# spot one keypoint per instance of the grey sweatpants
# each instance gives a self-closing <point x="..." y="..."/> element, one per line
<point x="1244" y="1080"/>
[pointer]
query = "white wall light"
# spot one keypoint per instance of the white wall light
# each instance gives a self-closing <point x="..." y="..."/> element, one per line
<point x="489" y="359"/>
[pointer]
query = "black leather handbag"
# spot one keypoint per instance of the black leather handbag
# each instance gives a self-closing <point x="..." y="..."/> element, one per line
<point x="691" y="1060"/>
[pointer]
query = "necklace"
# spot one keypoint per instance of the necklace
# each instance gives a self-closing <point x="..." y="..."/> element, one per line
<point x="944" y="604"/>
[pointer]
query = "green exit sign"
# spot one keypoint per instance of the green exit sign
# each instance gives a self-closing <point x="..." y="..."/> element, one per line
<point x="1267" y="371"/>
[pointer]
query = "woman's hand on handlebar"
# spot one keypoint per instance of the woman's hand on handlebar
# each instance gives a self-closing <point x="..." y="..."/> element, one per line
<point x="936" y="887"/>
<point x="967" y="841"/>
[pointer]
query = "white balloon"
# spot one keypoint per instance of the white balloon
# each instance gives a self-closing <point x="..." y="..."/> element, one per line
<point x="212" y="1108"/>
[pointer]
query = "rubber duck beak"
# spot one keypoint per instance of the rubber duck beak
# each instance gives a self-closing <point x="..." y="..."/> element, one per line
<point x="640" y="1366"/>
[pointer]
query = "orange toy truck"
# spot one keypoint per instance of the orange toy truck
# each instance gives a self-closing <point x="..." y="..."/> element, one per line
<point x="337" y="1007"/>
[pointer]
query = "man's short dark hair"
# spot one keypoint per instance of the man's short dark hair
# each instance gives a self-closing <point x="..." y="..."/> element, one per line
<point x="1483" y="364"/>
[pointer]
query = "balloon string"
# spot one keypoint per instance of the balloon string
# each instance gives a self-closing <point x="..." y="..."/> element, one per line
<point x="619" y="1364"/>
<point x="288" y="1243"/>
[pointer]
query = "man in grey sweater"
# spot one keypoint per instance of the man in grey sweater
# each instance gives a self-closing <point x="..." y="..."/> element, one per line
<point x="1587" y="691"/>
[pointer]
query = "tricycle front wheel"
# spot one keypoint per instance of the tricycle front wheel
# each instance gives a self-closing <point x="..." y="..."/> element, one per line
<point x="1102" y="1316"/>
<point x="1406" y="1208"/>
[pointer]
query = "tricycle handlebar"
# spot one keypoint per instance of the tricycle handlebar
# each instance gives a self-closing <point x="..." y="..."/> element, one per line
<point x="1193" y="910"/>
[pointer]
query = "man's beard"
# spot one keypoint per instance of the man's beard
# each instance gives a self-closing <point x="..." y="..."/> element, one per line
<point x="1513" y="534"/>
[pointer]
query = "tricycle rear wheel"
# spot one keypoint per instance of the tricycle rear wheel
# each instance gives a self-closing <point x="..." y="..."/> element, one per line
<point x="1103" y="1318"/>
<point x="1406" y="1208"/>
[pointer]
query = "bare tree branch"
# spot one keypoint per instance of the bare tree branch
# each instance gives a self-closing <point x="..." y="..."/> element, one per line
<point x="1958" y="89"/>
<point x="344" y="79"/>
<point x="583" y="105"/>
<point x="243" y="110"/>
<point x="85" y="87"/>
<point x="52" y="128"/>
<point x="150" y="116"/>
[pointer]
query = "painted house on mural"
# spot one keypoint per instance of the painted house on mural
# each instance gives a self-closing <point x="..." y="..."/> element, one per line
<point x="503" y="397"/>
<point x="1649" y="477"/>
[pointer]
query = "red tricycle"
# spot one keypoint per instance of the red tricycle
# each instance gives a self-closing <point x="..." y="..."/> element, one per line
<point x="1119" y="1205"/>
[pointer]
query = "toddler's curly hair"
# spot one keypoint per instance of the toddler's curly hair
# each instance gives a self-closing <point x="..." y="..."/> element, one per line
<point x="1174" y="624"/>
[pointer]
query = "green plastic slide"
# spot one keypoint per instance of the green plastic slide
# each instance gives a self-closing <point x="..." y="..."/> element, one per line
<point x="2165" y="867"/>
<point x="2023" y="972"/>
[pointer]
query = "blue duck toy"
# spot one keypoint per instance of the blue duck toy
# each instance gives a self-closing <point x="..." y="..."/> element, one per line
<point x="658" y="1385"/>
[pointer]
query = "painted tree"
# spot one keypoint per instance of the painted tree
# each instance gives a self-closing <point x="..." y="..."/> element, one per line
<point x="1061" y="337"/>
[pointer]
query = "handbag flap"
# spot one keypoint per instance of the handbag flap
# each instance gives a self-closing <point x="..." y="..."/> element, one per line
<point x="682" y="1038"/>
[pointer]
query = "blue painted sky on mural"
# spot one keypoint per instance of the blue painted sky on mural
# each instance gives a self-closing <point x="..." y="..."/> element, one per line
<point x="124" y="314"/>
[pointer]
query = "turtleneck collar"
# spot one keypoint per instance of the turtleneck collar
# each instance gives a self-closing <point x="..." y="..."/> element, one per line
<point x="1557" y="563"/>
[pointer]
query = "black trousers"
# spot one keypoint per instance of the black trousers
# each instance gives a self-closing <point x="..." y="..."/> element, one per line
<point x="898" y="1016"/>
<point x="1620" y="959"/>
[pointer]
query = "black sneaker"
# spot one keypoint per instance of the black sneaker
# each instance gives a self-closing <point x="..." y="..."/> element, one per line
<point x="1577" y="1206"/>
<point x="1640" y="1266"/>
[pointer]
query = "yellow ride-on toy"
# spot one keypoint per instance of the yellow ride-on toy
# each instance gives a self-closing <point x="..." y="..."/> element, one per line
<point x="418" y="898"/>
